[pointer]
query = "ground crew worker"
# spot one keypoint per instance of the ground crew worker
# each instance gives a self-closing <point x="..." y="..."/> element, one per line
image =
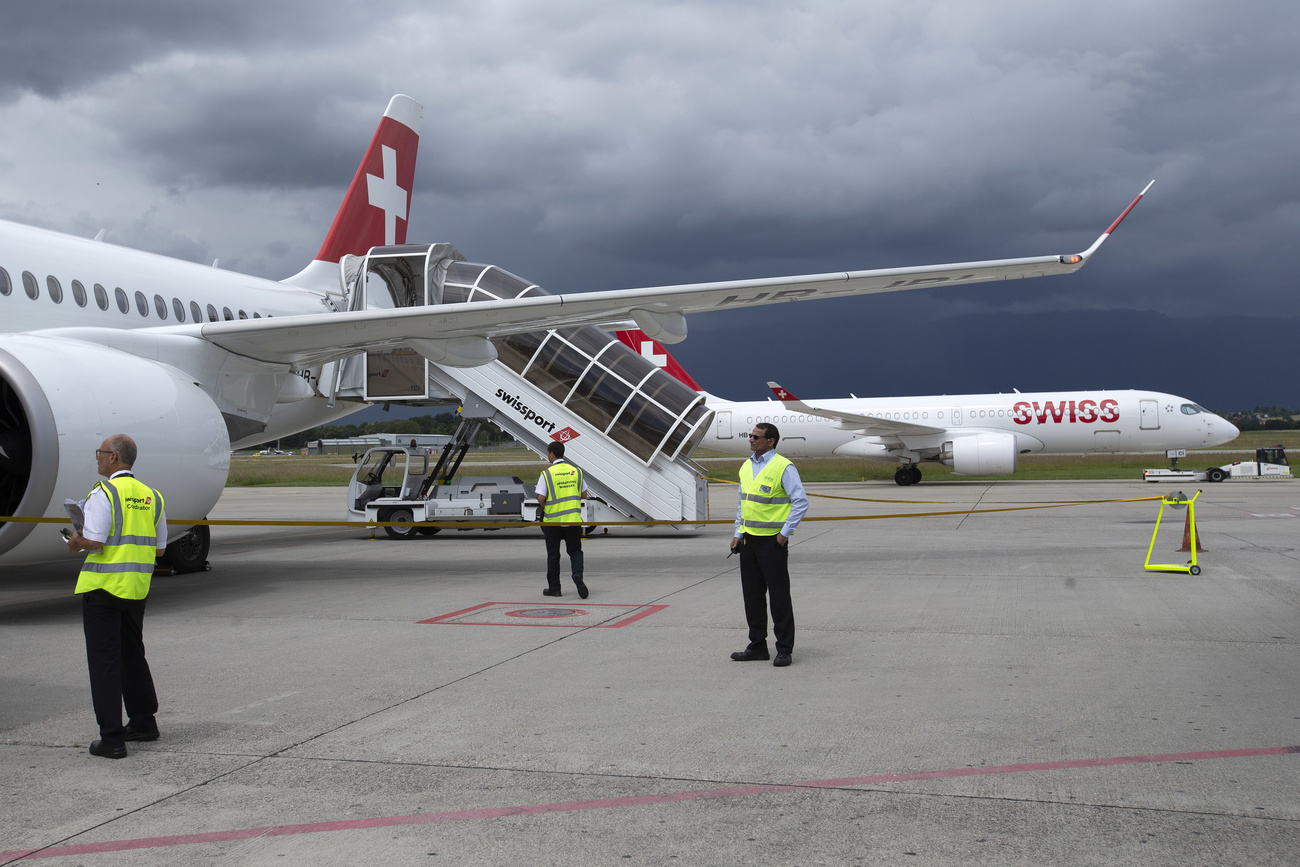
<point x="124" y="529"/>
<point x="772" y="503"/>
<point x="561" y="488"/>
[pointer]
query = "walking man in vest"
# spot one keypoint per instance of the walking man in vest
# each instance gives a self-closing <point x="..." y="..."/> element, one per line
<point x="772" y="503"/>
<point x="561" y="489"/>
<point x="125" y="528"/>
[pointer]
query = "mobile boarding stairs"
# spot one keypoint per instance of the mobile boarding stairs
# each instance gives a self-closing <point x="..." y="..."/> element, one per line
<point x="626" y="423"/>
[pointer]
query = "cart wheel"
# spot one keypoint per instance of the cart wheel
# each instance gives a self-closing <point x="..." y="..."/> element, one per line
<point x="1195" y="570"/>
<point x="400" y="516"/>
<point x="587" y="531"/>
<point x="1215" y="474"/>
<point x="428" y="531"/>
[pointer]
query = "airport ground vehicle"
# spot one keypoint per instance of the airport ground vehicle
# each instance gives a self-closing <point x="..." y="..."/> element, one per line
<point x="394" y="484"/>
<point x="1269" y="463"/>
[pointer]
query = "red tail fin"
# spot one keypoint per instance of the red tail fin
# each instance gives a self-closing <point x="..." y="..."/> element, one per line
<point x="781" y="393"/>
<point x="375" y="209"/>
<point x="654" y="350"/>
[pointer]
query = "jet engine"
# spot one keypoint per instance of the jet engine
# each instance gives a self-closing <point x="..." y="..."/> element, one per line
<point x="59" y="399"/>
<point x="981" y="454"/>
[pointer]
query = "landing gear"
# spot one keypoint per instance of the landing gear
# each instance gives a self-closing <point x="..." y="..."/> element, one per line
<point x="908" y="475"/>
<point x="189" y="553"/>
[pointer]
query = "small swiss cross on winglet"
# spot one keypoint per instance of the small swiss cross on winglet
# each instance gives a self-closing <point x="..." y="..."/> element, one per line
<point x="781" y="393"/>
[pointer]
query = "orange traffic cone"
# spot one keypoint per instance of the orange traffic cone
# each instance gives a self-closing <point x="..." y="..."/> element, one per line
<point x="1187" y="536"/>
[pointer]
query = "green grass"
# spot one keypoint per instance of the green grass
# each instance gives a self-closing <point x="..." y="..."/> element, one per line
<point x="336" y="470"/>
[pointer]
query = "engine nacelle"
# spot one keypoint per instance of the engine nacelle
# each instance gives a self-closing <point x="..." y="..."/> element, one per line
<point x="59" y="399"/>
<point x="981" y="454"/>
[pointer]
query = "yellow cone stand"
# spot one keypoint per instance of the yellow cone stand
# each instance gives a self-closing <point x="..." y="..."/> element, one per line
<point x="1177" y="500"/>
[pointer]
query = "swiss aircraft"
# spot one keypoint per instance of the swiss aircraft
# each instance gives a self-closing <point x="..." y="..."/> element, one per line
<point x="975" y="434"/>
<point x="194" y="361"/>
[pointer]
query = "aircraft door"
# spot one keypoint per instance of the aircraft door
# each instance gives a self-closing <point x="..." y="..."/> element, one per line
<point x="1149" y="412"/>
<point x="724" y="425"/>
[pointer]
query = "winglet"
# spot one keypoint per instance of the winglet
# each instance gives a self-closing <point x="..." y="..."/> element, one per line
<point x="781" y="393"/>
<point x="1080" y="258"/>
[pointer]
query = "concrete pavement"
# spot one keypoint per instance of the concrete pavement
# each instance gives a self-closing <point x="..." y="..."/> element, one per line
<point x="995" y="688"/>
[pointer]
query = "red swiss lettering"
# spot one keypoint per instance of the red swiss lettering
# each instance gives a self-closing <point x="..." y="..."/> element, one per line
<point x="1020" y="412"/>
<point x="1087" y="411"/>
<point x="1110" y="410"/>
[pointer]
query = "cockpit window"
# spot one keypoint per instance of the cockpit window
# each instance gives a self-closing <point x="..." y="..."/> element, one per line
<point x="1191" y="409"/>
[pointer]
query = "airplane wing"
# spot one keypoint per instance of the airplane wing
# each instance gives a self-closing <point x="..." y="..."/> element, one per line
<point x="659" y="311"/>
<point x="870" y="425"/>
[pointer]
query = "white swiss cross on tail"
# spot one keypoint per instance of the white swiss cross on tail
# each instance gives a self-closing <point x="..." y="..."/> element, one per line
<point x="385" y="194"/>
<point x="781" y="393"/>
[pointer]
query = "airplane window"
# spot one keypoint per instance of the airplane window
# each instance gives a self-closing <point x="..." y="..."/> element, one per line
<point x="56" y="289"/>
<point x="160" y="305"/>
<point x="5" y="286"/>
<point x="243" y="315"/>
<point x="79" y="293"/>
<point x="257" y="315"/>
<point x="196" y="311"/>
<point x="925" y="415"/>
<point x="212" y="314"/>
<point x="141" y="303"/>
<point x="229" y="316"/>
<point x="30" y="286"/>
<point x="1190" y="409"/>
<point x="179" y="308"/>
<point x="101" y="297"/>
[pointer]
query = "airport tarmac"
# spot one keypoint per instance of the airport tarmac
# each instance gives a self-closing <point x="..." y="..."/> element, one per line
<point x="1000" y="688"/>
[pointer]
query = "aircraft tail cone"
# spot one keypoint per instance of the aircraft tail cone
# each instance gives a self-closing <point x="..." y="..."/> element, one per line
<point x="1187" y="536"/>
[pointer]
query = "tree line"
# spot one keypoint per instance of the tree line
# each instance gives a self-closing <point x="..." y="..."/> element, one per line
<point x="444" y="423"/>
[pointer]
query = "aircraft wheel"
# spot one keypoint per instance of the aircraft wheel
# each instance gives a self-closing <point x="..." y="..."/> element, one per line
<point x="587" y="531"/>
<point x="1215" y="474"/>
<point x="189" y="553"/>
<point x="400" y="516"/>
<point x="903" y="476"/>
<point x="916" y="474"/>
<point x="1195" y="570"/>
<point x="428" y="531"/>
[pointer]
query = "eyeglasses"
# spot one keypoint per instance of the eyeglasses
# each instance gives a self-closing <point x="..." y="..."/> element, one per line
<point x="99" y="452"/>
<point x="759" y="437"/>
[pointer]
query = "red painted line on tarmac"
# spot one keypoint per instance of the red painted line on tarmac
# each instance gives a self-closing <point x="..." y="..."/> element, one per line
<point x="608" y="803"/>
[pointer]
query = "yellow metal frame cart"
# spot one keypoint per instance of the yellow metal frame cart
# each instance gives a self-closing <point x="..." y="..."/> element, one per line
<point x="1177" y="500"/>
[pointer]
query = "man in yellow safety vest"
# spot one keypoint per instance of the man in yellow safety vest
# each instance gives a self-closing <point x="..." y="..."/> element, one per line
<point x="561" y="488"/>
<point x="772" y="503"/>
<point x="125" y="528"/>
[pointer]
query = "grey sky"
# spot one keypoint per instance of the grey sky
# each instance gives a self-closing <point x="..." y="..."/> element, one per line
<point x="588" y="145"/>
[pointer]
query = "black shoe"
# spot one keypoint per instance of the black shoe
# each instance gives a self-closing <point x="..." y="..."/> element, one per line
<point x="549" y="592"/>
<point x="582" y="588"/>
<point x="750" y="654"/>
<point x="104" y="751"/>
<point x="134" y="733"/>
<point x="782" y="660"/>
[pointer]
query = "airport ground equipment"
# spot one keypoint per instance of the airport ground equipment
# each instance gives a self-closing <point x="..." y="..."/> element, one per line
<point x="628" y="424"/>
<point x="1270" y="463"/>
<point x="1177" y="500"/>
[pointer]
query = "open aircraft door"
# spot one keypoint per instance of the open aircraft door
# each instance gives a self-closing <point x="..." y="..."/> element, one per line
<point x="1149" y="414"/>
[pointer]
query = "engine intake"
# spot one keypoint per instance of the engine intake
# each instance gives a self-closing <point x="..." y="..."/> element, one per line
<point x="981" y="454"/>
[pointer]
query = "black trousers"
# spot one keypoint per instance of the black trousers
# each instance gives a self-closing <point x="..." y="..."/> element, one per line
<point x="764" y="580"/>
<point x="572" y="536"/>
<point x="119" y="672"/>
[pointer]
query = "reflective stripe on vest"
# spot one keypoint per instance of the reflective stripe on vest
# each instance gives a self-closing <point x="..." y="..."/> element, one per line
<point x="125" y="564"/>
<point x="563" y="493"/>
<point x="764" y="503"/>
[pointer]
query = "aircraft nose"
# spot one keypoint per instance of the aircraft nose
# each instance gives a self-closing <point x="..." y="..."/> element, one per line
<point x="1230" y="430"/>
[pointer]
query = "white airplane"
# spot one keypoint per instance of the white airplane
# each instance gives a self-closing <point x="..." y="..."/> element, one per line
<point x="193" y="361"/>
<point x="975" y="434"/>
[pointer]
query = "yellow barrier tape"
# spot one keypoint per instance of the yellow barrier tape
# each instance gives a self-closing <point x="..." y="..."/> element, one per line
<point x="680" y="523"/>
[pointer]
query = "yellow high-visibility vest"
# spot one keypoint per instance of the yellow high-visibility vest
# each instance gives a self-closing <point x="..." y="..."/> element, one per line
<point x="764" y="503"/>
<point x="563" y="493"/>
<point x="125" y="564"/>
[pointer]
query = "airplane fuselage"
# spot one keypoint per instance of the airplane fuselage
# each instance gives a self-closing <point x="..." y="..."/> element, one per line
<point x="1057" y="422"/>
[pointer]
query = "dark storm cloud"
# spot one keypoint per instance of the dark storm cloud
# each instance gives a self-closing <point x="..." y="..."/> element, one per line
<point x="586" y="145"/>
